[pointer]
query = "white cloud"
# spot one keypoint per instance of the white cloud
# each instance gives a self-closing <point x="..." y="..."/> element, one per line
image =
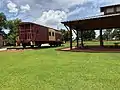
<point x="12" y="7"/>
<point x="52" y="18"/>
<point x="1" y="3"/>
<point x="25" y="8"/>
<point x="68" y="3"/>
<point x="46" y="11"/>
<point x="76" y="11"/>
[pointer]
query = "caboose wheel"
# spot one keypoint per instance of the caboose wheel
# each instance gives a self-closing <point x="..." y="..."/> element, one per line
<point x="39" y="45"/>
<point x="50" y="45"/>
<point x="32" y="46"/>
<point x="24" y="46"/>
<point x="59" y="44"/>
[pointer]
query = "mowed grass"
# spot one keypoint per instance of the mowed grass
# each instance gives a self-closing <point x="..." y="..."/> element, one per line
<point x="94" y="43"/>
<point x="47" y="69"/>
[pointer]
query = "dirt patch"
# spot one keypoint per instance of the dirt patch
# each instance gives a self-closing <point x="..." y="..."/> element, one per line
<point x="92" y="49"/>
<point x="18" y="50"/>
<point x="12" y="51"/>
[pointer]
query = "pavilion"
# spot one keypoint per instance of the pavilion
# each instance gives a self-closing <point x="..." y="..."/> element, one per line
<point x="109" y="20"/>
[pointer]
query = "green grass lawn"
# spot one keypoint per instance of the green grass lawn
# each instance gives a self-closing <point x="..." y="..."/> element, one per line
<point x="98" y="43"/>
<point x="94" y="43"/>
<point x="47" y="69"/>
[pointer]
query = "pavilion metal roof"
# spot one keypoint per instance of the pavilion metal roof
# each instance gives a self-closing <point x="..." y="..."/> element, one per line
<point x="92" y="17"/>
<point x="95" y="22"/>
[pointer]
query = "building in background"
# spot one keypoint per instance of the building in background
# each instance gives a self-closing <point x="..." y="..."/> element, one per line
<point x="113" y="9"/>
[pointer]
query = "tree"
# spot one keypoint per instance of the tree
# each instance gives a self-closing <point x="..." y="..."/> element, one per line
<point x="116" y="34"/>
<point x="107" y="34"/>
<point x="13" y="26"/>
<point x="2" y="22"/>
<point x="88" y="35"/>
<point x="66" y="35"/>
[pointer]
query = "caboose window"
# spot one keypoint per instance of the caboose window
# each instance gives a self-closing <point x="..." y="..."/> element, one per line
<point x="53" y="34"/>
<point x="49" y="33"/>
<point x="118" y="9"/>
<point x="110" y="10"/>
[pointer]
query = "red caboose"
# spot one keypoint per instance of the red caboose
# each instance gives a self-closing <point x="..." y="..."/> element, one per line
<point x="31" y="34"/>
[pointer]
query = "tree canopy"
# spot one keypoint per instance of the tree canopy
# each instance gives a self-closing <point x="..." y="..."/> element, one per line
<point x="2" y="22"/>
<point x="112" y="34"/>
<point x="116" y="34"/>
<point x="13" y="27"/>
<point x="88" y="35"/>
<point x="65" y="35"/>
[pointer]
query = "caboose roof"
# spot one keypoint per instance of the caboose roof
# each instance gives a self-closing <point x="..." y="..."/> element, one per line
<point x="37" y="24"/>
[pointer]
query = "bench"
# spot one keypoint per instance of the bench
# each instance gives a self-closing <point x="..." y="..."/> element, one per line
<point x="116" y="44"/>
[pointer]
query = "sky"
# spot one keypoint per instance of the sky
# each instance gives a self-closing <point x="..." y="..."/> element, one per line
<point x="52" y="12"/>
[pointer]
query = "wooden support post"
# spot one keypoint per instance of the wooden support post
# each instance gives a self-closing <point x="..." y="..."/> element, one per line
<point x="69" y="29"/>
<point x="82" y="45"/>
<point x="77" y="39"/>
<point x="101" y="38"/>
<point x="70" y="38"/>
